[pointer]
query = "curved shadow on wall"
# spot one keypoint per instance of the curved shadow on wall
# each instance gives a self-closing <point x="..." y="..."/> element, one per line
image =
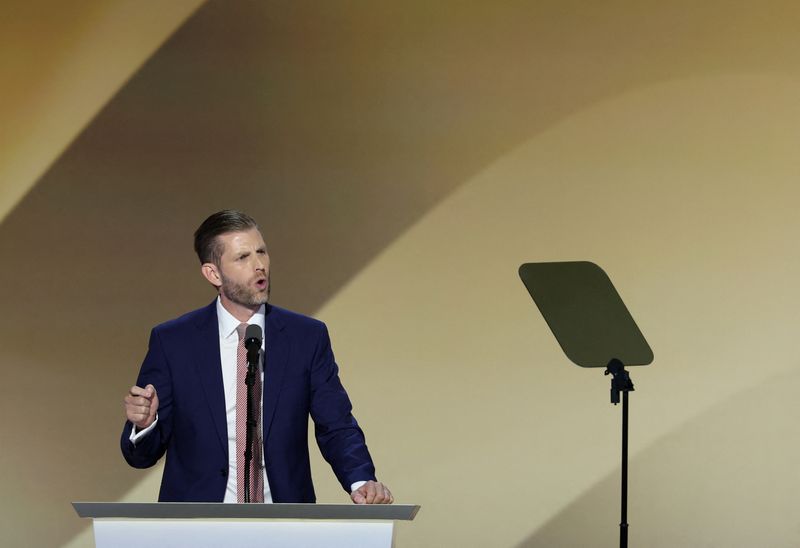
<point x="336" y="126"/>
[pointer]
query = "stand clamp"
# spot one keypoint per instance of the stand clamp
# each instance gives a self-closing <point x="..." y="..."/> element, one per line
<point x="621" y="381"/>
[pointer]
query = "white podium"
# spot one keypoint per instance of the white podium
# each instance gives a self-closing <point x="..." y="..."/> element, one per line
<point x="201" y="525"/>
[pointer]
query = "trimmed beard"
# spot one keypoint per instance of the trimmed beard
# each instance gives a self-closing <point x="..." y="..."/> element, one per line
<point x="244" y="294"/>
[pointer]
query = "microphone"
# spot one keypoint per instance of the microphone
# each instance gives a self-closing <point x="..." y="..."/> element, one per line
<point x="252" y="342"/>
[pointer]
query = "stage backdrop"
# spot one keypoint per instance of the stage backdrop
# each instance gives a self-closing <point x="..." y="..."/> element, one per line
<point x="403" y="159"/>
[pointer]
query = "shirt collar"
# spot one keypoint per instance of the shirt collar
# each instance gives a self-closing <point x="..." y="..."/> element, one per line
<point x="228" y="324"/>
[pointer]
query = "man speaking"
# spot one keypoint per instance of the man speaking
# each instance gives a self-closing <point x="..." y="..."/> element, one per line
<point x="190" y="398"/>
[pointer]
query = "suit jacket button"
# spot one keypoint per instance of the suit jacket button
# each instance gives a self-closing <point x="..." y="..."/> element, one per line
<point x="223" y="472"/>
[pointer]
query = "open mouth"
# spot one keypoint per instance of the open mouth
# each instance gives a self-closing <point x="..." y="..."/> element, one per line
<point x="261" y="284"/>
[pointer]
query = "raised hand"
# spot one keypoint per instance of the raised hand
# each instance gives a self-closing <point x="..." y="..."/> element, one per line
<point x="141" y="406"/>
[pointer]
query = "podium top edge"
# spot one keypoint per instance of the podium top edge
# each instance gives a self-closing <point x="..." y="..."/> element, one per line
<point x="218" y="510"/>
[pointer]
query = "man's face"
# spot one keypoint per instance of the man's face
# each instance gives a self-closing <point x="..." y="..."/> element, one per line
<point x="244" y="268"/>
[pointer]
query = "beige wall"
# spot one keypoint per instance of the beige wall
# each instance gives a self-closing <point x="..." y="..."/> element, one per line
<point x="404" y="159"/>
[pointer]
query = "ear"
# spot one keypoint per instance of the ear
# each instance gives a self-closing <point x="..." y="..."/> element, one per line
<point x="211" y="273"/>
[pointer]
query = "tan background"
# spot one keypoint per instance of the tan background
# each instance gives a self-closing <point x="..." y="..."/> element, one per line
<point x="403" y="159"/>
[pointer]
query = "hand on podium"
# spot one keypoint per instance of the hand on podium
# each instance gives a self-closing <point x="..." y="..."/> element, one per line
<point x="372" y="492"/>
<point x="141" y="405"/>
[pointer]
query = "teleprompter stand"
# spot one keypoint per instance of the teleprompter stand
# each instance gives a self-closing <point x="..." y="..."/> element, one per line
<point x="595" y="329"/>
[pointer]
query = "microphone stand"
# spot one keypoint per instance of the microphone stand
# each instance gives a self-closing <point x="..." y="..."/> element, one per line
<point x="253" y="345"/>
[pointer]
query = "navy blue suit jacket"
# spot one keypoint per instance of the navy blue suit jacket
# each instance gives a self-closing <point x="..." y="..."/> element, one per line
<point x="300" y="379"/>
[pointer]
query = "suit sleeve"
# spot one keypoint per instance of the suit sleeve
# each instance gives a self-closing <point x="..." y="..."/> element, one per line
<point x="155" y="370"/>
<point x="339" y="437"/>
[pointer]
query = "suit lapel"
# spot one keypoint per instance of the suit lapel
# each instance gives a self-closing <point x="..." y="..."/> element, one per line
<point x="209" y="368"/>
<point x="276" y="350"/>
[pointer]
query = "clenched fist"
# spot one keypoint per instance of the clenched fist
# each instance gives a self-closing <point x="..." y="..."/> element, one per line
<point x="372" y="492"/>
<point x="141" y="405"/>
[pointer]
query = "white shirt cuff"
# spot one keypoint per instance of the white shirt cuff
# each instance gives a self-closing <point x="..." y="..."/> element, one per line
<point x="136" y="436"/>
<point x="356" y="485"/>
